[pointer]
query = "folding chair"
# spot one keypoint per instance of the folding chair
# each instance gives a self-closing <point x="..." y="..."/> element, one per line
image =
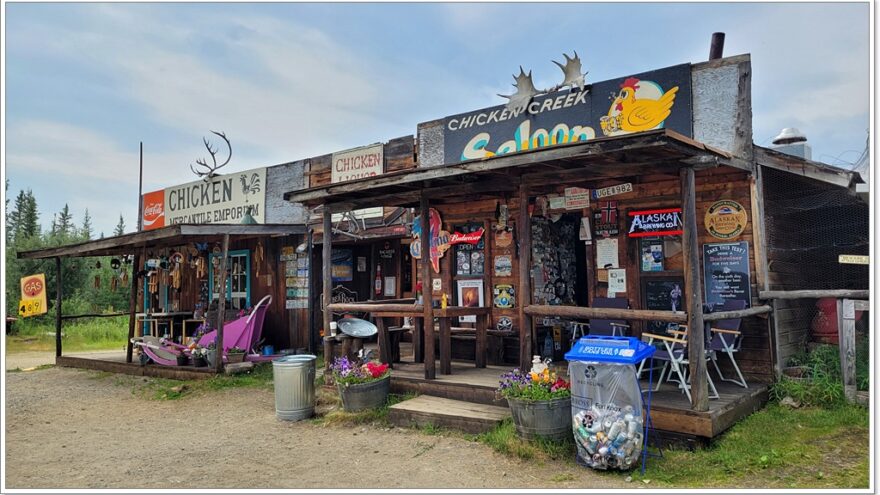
<point x="598" y="326"/>
<point x="726" y="337"/>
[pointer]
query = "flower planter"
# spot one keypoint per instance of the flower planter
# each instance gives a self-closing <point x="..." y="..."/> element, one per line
<point x="199" y="362"/>
<point x="549" y="419"/>
<point x="182" y="360"/>
<point x="210" y="357"/>
<point x="360" y="396"/>
<point x="235" y="357"/>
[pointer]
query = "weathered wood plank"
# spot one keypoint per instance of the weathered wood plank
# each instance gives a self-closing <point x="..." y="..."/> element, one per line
<point x="605" y="313"/>
<point x="814" y="294"/>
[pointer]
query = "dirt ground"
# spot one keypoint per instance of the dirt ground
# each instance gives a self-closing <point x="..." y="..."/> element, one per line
<point x="68" y="428"/>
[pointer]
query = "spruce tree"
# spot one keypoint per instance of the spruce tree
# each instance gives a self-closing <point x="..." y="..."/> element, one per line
<point x="120" y="227"/>
<point x="86" y="230"/>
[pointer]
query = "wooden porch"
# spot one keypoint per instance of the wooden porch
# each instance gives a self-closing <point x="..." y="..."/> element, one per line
<point x="116" y="363"/>
<point x="671" y="411"/>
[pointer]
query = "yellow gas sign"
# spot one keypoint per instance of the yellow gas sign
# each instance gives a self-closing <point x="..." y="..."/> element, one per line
<point x="33" y="296"/>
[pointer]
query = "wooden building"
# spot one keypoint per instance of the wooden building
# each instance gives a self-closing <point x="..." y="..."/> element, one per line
<point x="670" y="219"/>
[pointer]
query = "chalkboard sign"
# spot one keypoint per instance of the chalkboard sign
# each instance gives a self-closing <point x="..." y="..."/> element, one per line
<point x="665" y="294"/>
<point x="726" y="272"/>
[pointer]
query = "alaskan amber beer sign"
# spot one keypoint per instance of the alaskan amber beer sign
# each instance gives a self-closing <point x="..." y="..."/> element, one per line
<point x="33" y="296"/>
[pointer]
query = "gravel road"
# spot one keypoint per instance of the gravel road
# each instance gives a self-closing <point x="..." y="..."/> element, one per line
<point x="68" y="428"/>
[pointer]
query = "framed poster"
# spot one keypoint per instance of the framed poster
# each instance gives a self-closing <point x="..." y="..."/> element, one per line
<point x="504" y="296"/>
<point x="470" y="295"/>
<point x="362" y="264"/>
<point x="665" y="294"/>
<point x="651" y="250"/>
<point x="341" y="265"/>
<point x="726" y="272"/>
<point x="503" y="265"/>
<point x="390" y="286"/>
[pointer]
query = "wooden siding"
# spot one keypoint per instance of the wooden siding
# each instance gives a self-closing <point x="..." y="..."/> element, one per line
<point x="649" y="192"/>
<point x="283" y="328"/>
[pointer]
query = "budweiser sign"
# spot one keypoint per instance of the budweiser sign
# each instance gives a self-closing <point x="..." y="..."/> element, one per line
<point x="468" y="238"/>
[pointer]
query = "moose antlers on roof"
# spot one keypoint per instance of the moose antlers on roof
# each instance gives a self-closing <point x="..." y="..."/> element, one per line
<point x="208" y="171"/>
<point x="525" y="89"/>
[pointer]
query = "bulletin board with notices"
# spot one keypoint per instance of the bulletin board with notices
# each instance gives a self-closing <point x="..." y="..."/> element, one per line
<point x="296" y="278"/>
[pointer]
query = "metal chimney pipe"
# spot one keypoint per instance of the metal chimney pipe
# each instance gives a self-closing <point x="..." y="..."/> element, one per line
<point x="716" y="50"/>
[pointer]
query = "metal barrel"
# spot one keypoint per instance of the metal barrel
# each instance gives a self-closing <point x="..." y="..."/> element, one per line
<point x="361" y="396"/>
<point x="294" y="379"/>
<point x="550" y="419"/>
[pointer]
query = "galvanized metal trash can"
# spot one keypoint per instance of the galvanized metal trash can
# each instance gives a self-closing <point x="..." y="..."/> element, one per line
<point x="294" y="379"/>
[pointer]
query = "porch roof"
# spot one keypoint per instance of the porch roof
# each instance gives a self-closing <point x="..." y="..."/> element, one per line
<point x="651" y="152"/>
<point x="172" y="235"/>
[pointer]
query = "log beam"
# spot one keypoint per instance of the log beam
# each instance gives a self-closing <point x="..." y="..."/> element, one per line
<point x="694" y="294"/>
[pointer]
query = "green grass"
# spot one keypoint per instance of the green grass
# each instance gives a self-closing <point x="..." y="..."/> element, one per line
<point x="776" y="447"/>
<point x="91" y="334"/>
<point x="503" y="439"/>
<point x="338" y="417"/>
<point x="163" y="389"/>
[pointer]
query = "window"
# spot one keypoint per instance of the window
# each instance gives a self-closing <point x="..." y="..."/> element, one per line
<point x="238" y="290"/>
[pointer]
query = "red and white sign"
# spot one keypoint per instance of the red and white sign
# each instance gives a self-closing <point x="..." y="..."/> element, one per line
<point x="154" y="210"/>
<point x="358" y="163"/>
<point x="468" y="238"/>
<point x="577" y="198"/>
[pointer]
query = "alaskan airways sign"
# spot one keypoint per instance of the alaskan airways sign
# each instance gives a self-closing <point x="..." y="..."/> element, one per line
<point x="652" y="100"/>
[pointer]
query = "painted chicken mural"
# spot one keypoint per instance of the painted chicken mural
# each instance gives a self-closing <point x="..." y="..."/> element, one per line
<point x="639" y="106"/>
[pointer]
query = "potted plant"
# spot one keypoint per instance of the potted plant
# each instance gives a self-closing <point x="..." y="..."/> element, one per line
<point x="182" y="359"/>
<point x="539" y="401"/>
<point x="199" y="355"/>
<point x="235" y="355"/>
<point x="361" y="386"/>
<point x="211" y="354"/>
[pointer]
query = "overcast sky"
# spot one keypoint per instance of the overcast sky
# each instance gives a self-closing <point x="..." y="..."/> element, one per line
<point x="86" y="82"/>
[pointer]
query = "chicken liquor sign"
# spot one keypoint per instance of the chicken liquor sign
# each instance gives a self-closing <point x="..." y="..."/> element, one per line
<point x="534" y="119"/>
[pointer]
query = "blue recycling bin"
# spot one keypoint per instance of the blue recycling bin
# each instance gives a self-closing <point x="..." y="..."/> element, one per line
<point x="606" y="401"/>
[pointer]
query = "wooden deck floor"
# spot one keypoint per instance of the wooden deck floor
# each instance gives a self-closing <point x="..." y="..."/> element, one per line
<point x="670" y="408"/>
<point x="115" y="363"/>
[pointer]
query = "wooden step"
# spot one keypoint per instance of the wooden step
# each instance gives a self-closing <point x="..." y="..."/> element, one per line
<point x="426" y="410"/>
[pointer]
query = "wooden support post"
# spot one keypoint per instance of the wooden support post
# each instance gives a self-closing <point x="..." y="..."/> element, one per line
<point x="310" y="320"/>
<point x="326" y="274"/>
<point x="221" y="304"/>
<point x="58" y="307"/>
<point x="425" y="264"/>
<point x="846" y="332"/>
<point x="384" y="341"/>
<point x="524" y="231"/>
<point x="480" y="347"/>
<point x="693" y="294"/>
<point x="445" y="346"/>
<point x="132" y="308"/>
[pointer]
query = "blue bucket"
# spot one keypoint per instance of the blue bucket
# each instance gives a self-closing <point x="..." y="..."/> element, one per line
<point x="268" y="350"/>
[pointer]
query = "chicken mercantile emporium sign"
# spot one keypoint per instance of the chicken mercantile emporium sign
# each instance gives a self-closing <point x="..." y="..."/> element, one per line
<point x="651" y="100"/>
<point x="222" y="199"/>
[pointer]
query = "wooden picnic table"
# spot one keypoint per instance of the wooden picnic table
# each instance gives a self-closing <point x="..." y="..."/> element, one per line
<point x="381" y="311"/>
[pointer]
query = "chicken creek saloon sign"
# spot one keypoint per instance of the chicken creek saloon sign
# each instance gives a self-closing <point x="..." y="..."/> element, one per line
<point x="651" y="100"/>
